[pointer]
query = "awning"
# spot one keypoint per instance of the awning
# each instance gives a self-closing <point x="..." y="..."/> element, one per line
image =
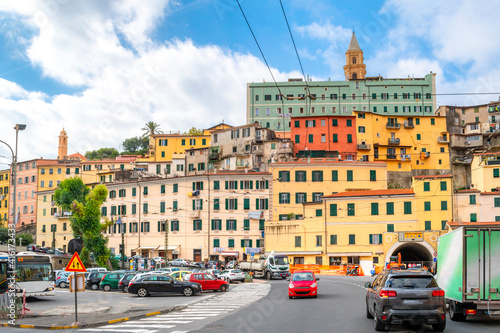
<point x="256" y="215"/>
<point x="229" y="253"/>
<point x="170" y="248"/>
<point x="295" y="253"/>
<point x="350" y="254"/>
<point x="145" y="248"/>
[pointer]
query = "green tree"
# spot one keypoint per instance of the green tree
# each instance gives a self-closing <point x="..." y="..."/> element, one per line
<point x="86" y="218"/>
<point x="151" y="128"/>
<point x="4" y="235"/>
<point x="24" y="239"/>
<point x="194" y="131"/>
<point x="135" y="146"/>
<point x="102" y="153"/>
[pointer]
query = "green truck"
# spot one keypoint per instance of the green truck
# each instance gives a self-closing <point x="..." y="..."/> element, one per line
<point x="468" y="269"/>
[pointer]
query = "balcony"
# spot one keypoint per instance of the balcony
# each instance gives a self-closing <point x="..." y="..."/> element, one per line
<point x="461" y="160"/>
<point x="393" y="126"/>
<point x="443" y="139"/>
<point x="391" y="156"/>
<point x="214" y="156"/>
<point x="393" y="141"/>
<point x="258" y="150"/>
<point x="364" y="146"/>
<point x="285" y="150"/>
<point x="405" y="158"/>
<point x="425" y="154"/>
<point x="62" y="215"/>
<point x="409" y="124"/>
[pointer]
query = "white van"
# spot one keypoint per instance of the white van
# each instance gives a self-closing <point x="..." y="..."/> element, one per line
<point x="97" y="269"/>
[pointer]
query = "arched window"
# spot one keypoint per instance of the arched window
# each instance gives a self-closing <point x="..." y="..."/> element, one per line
<point x="354" y="76"/>
<point x="353" y="60"/>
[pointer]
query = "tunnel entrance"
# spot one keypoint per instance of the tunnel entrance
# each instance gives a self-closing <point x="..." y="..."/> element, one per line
<point x="414" y="254"/>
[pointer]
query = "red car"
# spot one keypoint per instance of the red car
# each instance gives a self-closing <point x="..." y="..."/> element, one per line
<point x="208" y="282"/>
<point x="303" y="284"/>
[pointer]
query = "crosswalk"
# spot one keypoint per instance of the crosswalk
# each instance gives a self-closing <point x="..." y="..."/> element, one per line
<point x="209" y="307"/>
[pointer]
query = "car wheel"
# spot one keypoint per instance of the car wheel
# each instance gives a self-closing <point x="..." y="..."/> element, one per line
<point x="142" y="292"/>
<point x="455" y="312"/>
<point x="106" y="287"/>
<point x="223" y="287"/>
<point x="125" y="289"/>
<point x="268" y="275"/>
<point x="94" y="286"/>
<point x="439" y="327"/>
<point x="187" y="291"/>
<point x="368" y="314"/>
<point x="62" y="285"/>
<point x="379" y="326"/>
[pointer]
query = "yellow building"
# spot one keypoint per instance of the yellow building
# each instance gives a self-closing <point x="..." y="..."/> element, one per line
<point x="4" y="196"/>
<point x="307" y="180"/>
<point x="366" y="228"/>
<point x="406" y="142"/>
<point x="163" y="146"/>
<point x="104" y="171"/>
<point x="53" y="225"/>
<point x="485" y="171"/>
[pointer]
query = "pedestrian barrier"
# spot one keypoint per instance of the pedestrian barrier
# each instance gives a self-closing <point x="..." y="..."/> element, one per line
<point x="328" y="270"/>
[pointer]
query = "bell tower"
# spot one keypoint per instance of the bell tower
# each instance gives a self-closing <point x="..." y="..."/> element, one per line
<point x="62" y="152"/>
<point x="354" y="68"/>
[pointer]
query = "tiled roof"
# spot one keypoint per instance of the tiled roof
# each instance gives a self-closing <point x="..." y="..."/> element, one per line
<point x="487" y="154"/>
<point x="370" y="193"/>
<point x="326" y="161"/>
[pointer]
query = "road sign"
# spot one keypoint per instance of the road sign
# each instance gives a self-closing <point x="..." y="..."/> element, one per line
<point x="75" y="264"/>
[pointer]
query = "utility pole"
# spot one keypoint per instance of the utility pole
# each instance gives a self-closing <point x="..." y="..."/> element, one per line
<point x="208" y="223"/>
<point x="122" y="257"/>
<point x="139" y="223"/>
<point x="165" y="223"/>
<point x="53" y="227"/>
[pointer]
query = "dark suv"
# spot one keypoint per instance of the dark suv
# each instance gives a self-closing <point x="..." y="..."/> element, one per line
<point x="412" y="296"/>
<point x="94" y="279"/>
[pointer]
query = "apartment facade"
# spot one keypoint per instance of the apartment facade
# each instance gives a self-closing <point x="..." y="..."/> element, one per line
<point x="4" y="196"/>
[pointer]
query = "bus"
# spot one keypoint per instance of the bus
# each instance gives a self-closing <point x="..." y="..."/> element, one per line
<point x="34" y="274"/>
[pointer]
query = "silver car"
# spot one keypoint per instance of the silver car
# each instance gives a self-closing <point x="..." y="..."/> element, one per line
<point x="231" y="275"/>
<point x="412" y="296"/>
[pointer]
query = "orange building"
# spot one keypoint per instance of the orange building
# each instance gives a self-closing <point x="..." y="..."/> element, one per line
<point x="324" y="136"/>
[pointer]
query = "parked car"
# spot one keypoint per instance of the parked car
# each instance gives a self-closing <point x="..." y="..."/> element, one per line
<point x="209" y="282"/>
<point x="97" y="269"/>
<point x="32" y="248"/>
<point x="62" y="280"/>
<point x="94" y="279"/>
<point x="214" y="272"/>
<point x="148" y="284"/>
<point x="302" y="284"/>
<point x="231" y="275"/>
<point x="169" y="269"/>
<point x="398" y="296"/>
<point x="124" y="281"/>
<point x="179" y="275"/>
<point x="195" y="264"/>
<point x="233" y="264"/>
<point x="179" y="263"/>
<point x="159" y="260"/>
<point x="214" y="263"/>
<point x="110" y="280"/>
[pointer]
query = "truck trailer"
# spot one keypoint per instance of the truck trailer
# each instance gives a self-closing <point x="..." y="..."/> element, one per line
<point x="468" y="269"/>
<point x="271" y="266"/>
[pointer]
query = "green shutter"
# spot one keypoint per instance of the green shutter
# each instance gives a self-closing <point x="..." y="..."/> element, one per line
<point x="443" y="186"/>
<point x="390" y="208"/>
<point x="266" y="202"/>
<point x="267" y="184"/>
<point x="444" y="205"/>
<point x="349" y="176"/>
<point x="496" y="173"/>
<point x="472" y="199"/>
<point x="241" y="184"/>
<point x="374" y="208"/>
<point x="257" y="204"/>
<point x="390" y="227"/>
<point x="262" y="224"/>
<point x="235" y="204"/>
<point x="333" y="209"/>
<point x="246" y="203"/>
<point x="227" y="185"/>
<point x="194" y="204"/>
<point x="216" y="185"/>
<point x="373" y="175"/>
<point x="242" y="243"/>
<point x="350" y="209"/>
<point x="407" y="207"/>
<point x="428" y="225"/>
<point x="427" y="186"/>
<point x="213" y="225"/>
<point x="227" y="204"/>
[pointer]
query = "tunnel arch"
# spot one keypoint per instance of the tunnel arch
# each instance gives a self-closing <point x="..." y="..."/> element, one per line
<point x="411" y="251"/>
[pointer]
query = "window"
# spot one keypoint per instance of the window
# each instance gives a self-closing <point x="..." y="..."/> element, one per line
<point x="316" y="196"/>
<point x="374" y="208"/>
<point x="349" y="175"/>
<point x="297" y="240"/>
<point x="297" y="138"/>
<point x="473" y="217"/>
<point x="427" y="206"/>
<point x="335" y="138"/>
<point x="333" y="209"/>
<point x="373" y="175"/>
<point x="427" y="186"/>
<point x="323" y="138"/>
<point x="389" y="208"/>
<point x="319" y="212"/>
<point x="311" y="138"/>
<point x="231" y="225"/>
<point x="349" y="122"/>
<point x="284" y="176"/>
<point x="231" y="204"/>
<point x="300" y="176"/>
<point x="174" y="225"/>
<point x="428" y="225"/>
<point x="407" y="207"/>
<point x="375" y="239"/>
<point x="444" y="205"/>
<point x="350" y="209"/>
<point x="496" y="202"/>
<point x="443" y="186"/>
<point x="352" y="239"/>
<point x="197" y="225"/>
<point x="349" y="138"/>
<point x="472" y="199"/>
<point x="145" y="207"/>
<point x="145" y="192"/>
<point x="134" y="209"/>
<point x="284" y="198"/>
<point x="390" y="227"/>
<point x="231" y="185"/>
<point x="361" y="129"/>
<point x="319" y="240"/>
<point x="496" y="173"/>
<point x="317" y="176"/>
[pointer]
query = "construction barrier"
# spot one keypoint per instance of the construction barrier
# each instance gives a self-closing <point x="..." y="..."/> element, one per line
<point x="330" y="270"/>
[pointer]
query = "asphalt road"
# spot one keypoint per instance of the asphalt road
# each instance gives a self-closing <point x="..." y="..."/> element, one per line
<point x="340" y="307"/>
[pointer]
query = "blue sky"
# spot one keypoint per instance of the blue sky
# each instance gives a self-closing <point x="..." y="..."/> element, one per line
<point x="101" y="69"/>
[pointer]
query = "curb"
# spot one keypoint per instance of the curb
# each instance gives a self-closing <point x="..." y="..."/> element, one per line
<point x="54" y="327"/>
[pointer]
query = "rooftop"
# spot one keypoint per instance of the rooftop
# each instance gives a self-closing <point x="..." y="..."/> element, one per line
<point x="371" y="193"/>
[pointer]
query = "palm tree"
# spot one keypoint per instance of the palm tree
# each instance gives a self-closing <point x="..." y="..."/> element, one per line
<point x="151" y="128"/>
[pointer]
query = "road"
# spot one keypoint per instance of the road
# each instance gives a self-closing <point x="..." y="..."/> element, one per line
<point x="249" y="308"/>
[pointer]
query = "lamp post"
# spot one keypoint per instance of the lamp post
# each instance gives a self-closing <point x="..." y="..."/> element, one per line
<point x="18" y="127"/>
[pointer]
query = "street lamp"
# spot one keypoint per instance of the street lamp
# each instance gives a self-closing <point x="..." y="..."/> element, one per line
<point x="18" y="127"/>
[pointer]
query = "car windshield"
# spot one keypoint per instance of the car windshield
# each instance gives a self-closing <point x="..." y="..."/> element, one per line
<point x="411" y="282"/>
<point x="236" y="271"/>
<point x="281" y="261"/>
<point x="303" y="277"/>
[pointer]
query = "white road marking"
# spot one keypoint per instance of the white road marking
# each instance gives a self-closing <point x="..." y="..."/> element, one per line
<point x="144" y="326"/>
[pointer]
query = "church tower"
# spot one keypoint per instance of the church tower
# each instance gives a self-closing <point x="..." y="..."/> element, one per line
<point x="62" y="152"/>
<point x="354" y="68"/>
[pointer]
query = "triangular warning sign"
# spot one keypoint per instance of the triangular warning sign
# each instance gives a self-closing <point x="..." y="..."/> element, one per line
<point x="75" y="264"/>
